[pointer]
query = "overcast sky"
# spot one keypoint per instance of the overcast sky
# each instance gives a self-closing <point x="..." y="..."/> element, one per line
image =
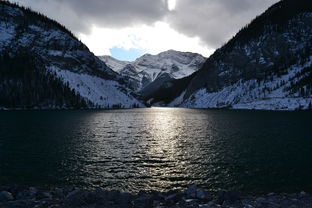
<point x="128" y="28"/>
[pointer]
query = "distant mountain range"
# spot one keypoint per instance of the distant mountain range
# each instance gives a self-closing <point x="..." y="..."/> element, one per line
<point x="267" y="65"/>
<point x="149" y="72"/>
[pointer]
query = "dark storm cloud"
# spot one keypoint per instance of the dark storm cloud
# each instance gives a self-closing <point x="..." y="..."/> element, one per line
<point x="80" y="15"/>
<point x="215" y="21"/>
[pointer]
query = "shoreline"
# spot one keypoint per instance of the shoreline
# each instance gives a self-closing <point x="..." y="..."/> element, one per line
<point x="3" y="109"/>
<point x="17" y="196"/>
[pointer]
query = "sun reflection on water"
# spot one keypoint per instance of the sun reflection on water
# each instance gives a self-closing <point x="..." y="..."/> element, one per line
<point x="151" y="150"/>
<point x="156" y="149"/>
<point x="164" y="148"/>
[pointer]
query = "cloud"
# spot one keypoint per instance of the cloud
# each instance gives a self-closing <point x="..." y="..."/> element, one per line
<point x="150" y="38"/>
<point x="81" y="15"/>
<point x="214" y="21"/>
<point x="195" y="25"/>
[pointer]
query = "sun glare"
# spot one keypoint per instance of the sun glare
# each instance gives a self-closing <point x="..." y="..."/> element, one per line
<point x="153" y="39"/>
<point x="172" y="4"/>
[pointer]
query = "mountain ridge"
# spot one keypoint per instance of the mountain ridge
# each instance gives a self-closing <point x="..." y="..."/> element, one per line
<point x="267" y="65"/>
<point x="63" y="59"/>
<point x="147" y="68"/>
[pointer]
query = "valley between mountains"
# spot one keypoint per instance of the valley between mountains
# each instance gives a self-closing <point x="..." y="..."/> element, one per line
<point x="267" y="65"/>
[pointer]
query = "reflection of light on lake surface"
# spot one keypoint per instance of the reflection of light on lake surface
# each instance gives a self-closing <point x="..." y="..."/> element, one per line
<point x="163" y="146"/>
<point x="164" y="128"/>
<point x="157" y="148"/>
<point x="150" y="149"/>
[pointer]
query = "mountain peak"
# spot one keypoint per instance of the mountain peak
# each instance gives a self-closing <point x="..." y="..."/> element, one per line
<point x="149" y="67"/>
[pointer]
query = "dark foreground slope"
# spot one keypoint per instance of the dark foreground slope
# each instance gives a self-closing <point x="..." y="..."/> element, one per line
<point x="43" y="65"/>
<point x="267" y="65"/>
<point x="192" y="197"/>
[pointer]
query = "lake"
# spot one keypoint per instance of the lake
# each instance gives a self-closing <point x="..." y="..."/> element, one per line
<point x="158" y="148"/>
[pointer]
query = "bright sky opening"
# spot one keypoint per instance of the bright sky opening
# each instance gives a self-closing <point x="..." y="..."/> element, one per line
<point x="172" y="4"/>
<point x="147" y="39"/>
<point x="126" y="29"/>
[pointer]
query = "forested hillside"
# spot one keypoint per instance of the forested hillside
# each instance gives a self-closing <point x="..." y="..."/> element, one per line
<point x="267" y="65"/>
<point x="43" y="65"/>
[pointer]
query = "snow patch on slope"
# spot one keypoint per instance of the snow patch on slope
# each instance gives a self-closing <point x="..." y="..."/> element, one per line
<point x="177" y="64"/>
<point x="266" y="95"/>
<point x="102" y="93"/>
<point x="148" y="68"/>
<point x="276" y="104"/>
<point x="7" y="32"/>
<point x="177" y="101"/>
<point x="113" y="63"/>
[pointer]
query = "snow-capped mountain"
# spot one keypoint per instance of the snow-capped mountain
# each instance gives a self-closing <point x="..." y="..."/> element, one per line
<point x="148" y="68"/>
<point x="43" y="65"/>
<point x="267" y="65"/>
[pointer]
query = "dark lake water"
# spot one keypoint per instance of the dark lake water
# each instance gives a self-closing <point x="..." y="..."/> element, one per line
<point x="158" y="148"/>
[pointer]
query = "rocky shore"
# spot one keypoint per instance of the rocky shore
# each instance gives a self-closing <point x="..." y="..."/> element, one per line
<point x="192" y="197"/>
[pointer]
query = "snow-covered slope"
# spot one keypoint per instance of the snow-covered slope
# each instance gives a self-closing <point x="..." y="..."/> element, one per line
<point x="114" y="64"/>
<point x="146" y="69"/>
<point x="272" y="94"/>
<point x="102" y="93"/>
<point x="62" y="55"/>
<point x="267" y="65"/>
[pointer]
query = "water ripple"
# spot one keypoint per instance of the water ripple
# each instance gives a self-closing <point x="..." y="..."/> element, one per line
<point x="157" y="148"/>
